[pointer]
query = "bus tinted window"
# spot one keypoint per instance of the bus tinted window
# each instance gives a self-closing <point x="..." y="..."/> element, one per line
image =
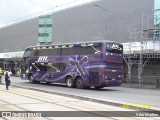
<point x="58" y="67"/>
<point x="114" y="48"/>
<point x="41" y="67"/>
<point x="47" y="52"/>
<point x="35" y="53"/>
<point x="82" y="49"/>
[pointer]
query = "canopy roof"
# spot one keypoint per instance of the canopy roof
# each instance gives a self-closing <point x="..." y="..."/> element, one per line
<point x="12" y="55"/>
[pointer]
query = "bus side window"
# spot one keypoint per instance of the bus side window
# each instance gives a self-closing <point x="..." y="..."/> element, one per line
<point x="41" y="67"/>
<point x="50" y="69"/>
<point x="36" y="53"/>
<point x="62" y="67"/>
<point x="53" y="68"/>
<point x="66" y="51"/>
<point x="49" y="52"/>
<point x="59" y="67"/>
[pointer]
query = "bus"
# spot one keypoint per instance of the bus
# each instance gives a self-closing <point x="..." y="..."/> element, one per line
<point x="95" y="64"/>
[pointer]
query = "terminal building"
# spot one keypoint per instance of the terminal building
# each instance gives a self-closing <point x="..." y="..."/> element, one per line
<point x="135" y="23"/>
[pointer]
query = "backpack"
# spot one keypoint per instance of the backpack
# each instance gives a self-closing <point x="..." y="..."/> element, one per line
<point x="6" y="76"/>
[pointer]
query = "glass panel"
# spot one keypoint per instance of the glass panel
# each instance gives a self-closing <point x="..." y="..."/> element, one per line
<point x="114" y="48"/>
<point x="45" y="29"/>
<point x="58" y="67"/>
<point x="27" y="53"/>
<point x="82" y="49"/>
<point x="41" y="67"/>
<point x="47" y="52"/>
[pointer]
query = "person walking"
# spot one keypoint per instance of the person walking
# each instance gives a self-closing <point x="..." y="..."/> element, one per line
<point x="7" y="75"/>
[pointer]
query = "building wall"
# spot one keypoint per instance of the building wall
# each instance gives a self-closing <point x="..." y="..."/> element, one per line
<point x="82" y="23"/>
<point x="87" y="22"/>
<point x="19" y="36"/>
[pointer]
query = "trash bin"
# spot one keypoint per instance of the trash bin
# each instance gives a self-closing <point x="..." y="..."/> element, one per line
<point x="157" y="82"/>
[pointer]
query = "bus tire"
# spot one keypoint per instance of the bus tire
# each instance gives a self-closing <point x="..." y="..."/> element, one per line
<point x="31" y="79"/>
<point x="48" y="83"/>
<point x="79" y="83"/>
<point x="69" y="82"/>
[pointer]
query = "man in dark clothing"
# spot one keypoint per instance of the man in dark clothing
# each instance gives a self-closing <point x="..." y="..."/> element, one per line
<point x="7" y="80"/>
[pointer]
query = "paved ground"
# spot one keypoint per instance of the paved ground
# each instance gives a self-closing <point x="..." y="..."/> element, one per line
<point x="22" y="100"/>
<point x="142" y="97"/>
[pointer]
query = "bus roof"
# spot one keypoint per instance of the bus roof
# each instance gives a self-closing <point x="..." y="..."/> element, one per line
<point x="74" y="43"/>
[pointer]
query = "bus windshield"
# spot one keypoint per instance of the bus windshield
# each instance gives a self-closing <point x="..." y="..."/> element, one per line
<point x="27" y="53"/>
<point x="114" y="48"/>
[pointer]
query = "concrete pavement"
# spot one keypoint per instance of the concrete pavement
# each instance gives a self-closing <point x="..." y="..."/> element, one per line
<point x="118" y="96"/>
<point x="18" y="99"/>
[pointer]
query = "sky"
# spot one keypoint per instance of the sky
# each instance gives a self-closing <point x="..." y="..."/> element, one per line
<point x="12" y="10"/>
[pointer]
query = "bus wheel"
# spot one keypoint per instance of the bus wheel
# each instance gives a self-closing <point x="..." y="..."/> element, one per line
<point x="69" y="82"/>
<point x="31" y="79"/>
<point x="79" y="83"/>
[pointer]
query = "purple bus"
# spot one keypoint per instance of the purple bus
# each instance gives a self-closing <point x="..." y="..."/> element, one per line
<point x="82" y="65"/>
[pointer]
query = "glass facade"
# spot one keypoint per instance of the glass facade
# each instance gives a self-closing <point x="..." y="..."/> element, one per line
<point x="45" y="29"/>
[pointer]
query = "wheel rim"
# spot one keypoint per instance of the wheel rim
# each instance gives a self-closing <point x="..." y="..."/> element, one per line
<point x="31" y="79"/>
<point x="69" y="82"/>
<point x="79" y="83"/>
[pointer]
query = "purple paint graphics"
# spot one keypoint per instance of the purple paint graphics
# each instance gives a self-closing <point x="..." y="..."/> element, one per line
<point x="79" y="66"/>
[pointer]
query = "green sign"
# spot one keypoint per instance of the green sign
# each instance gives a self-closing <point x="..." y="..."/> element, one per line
<point x="45" y="29"/>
